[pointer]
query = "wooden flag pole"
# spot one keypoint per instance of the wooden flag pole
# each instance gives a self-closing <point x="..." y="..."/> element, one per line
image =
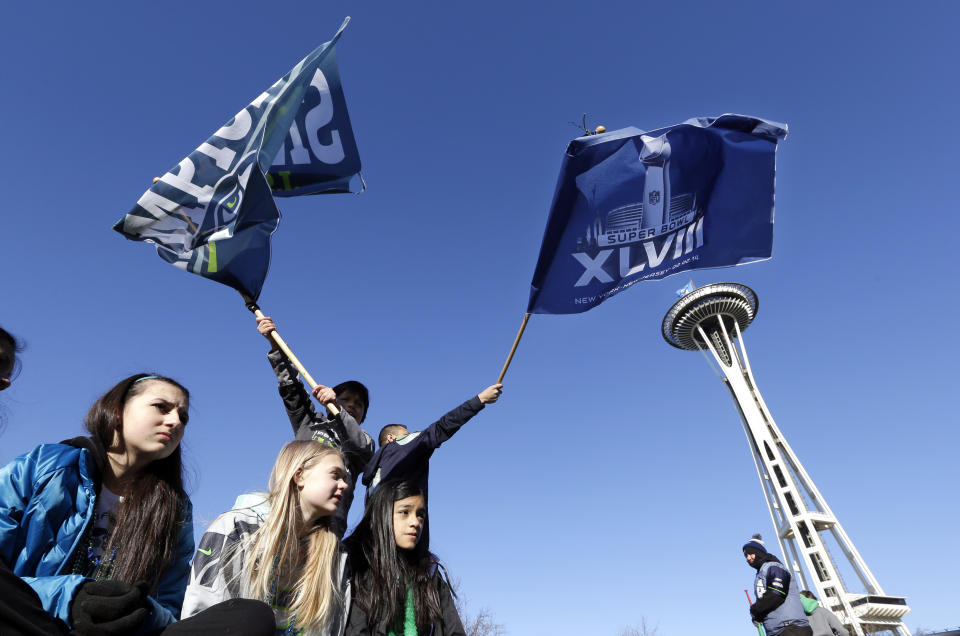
<point x="252" y="306"/>
<point x="513" y="349"/>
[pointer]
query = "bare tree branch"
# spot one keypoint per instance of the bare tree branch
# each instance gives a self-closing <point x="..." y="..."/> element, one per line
<point x="639" y="630"/>
<point x="483" y="623"/>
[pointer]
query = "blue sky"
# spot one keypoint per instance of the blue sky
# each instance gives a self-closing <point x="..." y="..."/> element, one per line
<point x="612" y="480"/>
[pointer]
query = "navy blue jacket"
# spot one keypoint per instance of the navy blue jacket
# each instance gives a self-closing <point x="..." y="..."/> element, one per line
<point x="47" y="497"/>
<point x="408" y="458"/>
<point x="778" y="598"/>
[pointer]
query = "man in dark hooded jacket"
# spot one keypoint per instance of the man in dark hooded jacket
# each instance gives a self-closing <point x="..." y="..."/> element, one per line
<point x="778" y="604"/>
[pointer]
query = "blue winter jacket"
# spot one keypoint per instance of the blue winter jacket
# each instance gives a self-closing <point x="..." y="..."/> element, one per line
<point x="47" y="498"/>
<point x="773" y="578"/>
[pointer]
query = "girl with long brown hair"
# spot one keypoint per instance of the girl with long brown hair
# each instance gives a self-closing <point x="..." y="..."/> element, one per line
<point x="100" y="527"/>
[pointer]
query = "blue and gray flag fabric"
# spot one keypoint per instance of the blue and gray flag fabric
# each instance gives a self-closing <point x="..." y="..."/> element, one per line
<point x="213" y="213"/>
<point x="324" y="159"/>
<point x="632" y="206"/>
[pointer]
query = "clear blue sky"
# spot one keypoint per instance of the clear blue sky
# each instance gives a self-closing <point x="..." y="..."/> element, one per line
<point x="612" y="481"/>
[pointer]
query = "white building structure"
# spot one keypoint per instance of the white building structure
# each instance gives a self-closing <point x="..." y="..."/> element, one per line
<point x="711" y="319"/>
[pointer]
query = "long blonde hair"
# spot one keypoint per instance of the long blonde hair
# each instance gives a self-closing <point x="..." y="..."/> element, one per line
<point x="276" y="555"/>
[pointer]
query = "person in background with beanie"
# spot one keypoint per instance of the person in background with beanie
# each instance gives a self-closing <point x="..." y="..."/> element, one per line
<point x="823" y="622"/>
<point x="778" y="604"/>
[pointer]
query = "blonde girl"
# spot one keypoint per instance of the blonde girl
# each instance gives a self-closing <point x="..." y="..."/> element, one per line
<point x="281" y="549"/>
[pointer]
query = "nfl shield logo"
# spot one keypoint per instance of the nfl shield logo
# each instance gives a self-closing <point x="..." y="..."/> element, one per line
<point x="654" y="197"/>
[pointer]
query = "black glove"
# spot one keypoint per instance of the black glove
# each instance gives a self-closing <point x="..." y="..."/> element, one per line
<point x="766" y="604"/>
<point x="108" y="608"/>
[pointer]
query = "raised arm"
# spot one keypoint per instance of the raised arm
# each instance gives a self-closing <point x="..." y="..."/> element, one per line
<point x="296" y="400"/>
<point x="444" y="428"/>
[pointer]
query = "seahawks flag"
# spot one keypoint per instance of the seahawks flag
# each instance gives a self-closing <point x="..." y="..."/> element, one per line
<point x="213" y="213"/>
<point x="632" y="206"/>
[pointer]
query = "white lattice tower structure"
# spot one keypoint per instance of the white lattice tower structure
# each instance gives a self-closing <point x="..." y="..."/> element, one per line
<point x="711" y="319"/>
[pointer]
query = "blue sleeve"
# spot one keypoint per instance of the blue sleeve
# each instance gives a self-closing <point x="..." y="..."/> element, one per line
<point x="778" y="580"/>
<point x="444" y="428"/>
<point x="407" y="457"/>
<point x="18" y="482"/>
<point x="16" y="489"/>
<point x="165" y="606"/>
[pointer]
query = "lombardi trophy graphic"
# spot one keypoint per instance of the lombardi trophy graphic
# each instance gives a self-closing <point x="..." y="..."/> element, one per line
<point x="656" y="183"/>
<point x="712" y="319"/>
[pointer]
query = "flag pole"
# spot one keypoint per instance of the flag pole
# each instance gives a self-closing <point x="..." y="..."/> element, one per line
<point x="252" y="306"/>
<point x="513" y="349"/>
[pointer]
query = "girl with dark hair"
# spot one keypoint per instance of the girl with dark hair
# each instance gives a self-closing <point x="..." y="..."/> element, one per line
<point x="398" y="589"/>
<point x="100" y="527"/>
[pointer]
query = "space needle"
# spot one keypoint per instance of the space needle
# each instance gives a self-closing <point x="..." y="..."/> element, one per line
<point x="712" y="319"/>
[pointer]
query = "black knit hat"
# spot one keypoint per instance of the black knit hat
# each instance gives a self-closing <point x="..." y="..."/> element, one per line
<point x="755" y="545"/>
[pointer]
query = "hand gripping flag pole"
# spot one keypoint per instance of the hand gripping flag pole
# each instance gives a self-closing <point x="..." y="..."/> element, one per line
<point x="294" y="360"/>
<point x="760" y="629"/>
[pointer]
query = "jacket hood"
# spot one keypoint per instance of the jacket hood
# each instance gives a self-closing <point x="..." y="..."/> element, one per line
<point x="257" y="502"/>
<point x="809" y="604"/>
<point x="763" y="557"/>
<point x="97" y="452"/>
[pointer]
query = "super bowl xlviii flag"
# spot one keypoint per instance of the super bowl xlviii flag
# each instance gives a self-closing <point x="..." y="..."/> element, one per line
<point x="632" y="206"/>
<point x="213" y="213"/>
